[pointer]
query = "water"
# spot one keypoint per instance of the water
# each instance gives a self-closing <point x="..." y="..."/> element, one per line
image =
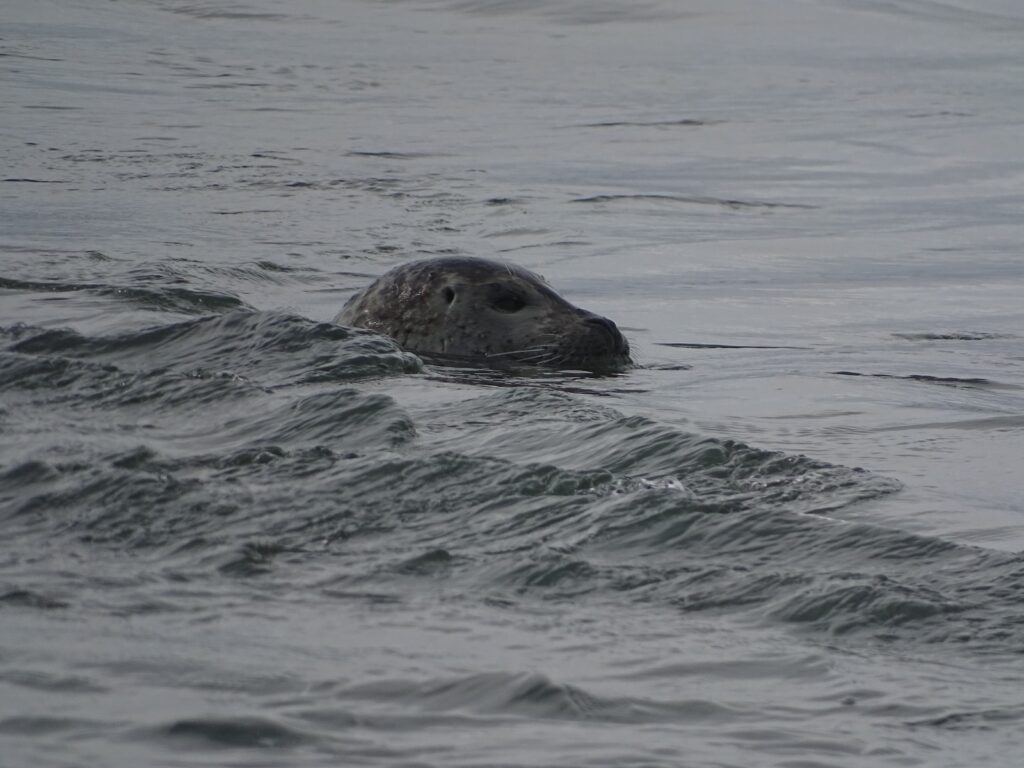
<point x="237" y="534"/>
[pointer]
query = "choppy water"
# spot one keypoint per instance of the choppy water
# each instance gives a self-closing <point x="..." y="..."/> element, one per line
<point x="236" y="534"/>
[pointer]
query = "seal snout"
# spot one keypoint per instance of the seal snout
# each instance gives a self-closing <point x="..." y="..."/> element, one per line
<point x="610" y="332"/>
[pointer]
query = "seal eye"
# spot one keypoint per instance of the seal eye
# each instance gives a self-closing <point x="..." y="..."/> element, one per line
<point x="448" y="294"/>
<point x="505" y="300"/>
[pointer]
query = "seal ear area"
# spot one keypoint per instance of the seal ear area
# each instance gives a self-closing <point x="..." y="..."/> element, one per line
<point x="505" y="298"/>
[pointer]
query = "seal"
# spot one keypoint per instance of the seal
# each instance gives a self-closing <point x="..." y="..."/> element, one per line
<point x="475" y="310"/>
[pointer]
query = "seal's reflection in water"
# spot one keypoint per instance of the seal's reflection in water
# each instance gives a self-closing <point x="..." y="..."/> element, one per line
<point x="473" y="311"/>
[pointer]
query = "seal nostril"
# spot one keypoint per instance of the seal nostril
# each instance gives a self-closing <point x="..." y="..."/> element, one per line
<point x="607" y="328"/>
<point x="448" y="294"/>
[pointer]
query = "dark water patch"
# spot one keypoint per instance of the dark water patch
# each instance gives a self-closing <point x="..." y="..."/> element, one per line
<point x="685" y="345"/>
<point x="27" y="473"/>
<point x="26" y="598"/>
<point x="501" y="201"/>
<point x="688" y="200"/>
<point x="230" y="733"/>
<point x="972" y="720"/>
<point x="20" y="55"/>
<point x="371" y="598"/>
<point x="390" y="155"/>
<point x="682" y="123"/>
<point x="35" y="181"/>
<point x="947" y="381"/>
<point x="271" y="154"/>
<point x="953" y="336"/>
<point x="231" y="84"/>
<point x="246" y="212"/>
<point x="389" y="188"/>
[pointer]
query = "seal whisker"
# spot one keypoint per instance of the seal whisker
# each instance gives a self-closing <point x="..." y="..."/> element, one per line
<point x="534" y="357"/>
<point x="546" y="355"/>
<point x="524" y="351"/>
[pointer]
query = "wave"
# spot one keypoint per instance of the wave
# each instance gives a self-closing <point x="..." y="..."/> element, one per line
<point x="272" y="348"/>
<point x="245" y="445"/>
<point x="153" y="298"/>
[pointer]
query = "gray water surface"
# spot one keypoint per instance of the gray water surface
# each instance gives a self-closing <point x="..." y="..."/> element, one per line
<point x="237" y="534"/>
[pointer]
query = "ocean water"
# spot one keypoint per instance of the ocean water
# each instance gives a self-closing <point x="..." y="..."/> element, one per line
<point x="235" y="533"/>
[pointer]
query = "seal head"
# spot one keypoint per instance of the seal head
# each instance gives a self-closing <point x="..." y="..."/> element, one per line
<point x="483" y="311"/>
